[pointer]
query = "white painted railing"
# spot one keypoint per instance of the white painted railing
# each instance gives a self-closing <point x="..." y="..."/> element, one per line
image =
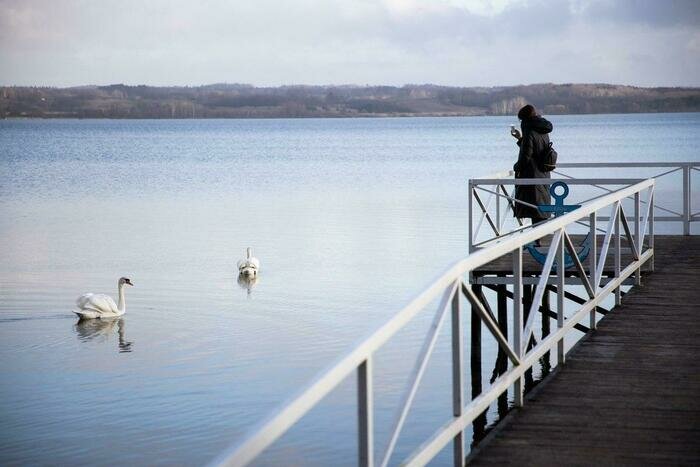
<point x="686" y="169"/>
<point x="450" y="287"/>
<point x="493" y="215"/>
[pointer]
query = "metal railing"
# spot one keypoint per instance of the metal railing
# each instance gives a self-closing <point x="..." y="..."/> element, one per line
<point x="450" y="287"/>
<point x="687" y="216"/>
<point x="493" y="187"/>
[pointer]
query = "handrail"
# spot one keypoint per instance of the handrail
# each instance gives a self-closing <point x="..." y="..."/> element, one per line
<point x="500" y="179"/>
<point x="496" y="227"/>
<point x="450" y="285"/>
<point x="627" y="164"/>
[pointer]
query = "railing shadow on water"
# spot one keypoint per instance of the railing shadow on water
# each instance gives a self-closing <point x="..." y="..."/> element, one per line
<point x="523" y="288"/>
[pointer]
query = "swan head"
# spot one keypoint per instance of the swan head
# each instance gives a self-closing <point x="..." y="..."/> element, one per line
<point x="125" y="280"/>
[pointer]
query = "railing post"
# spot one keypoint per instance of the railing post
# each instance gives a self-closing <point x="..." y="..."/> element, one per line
<point x="471" y="217"/>
<point x="593" y="258"/>
<point x="638" y="240"/>
<point x="686" y="199"/>
<point x="618" y="254"/>
<point x="651" y="228"/>
<point x="498" y="212"/>
<point x="457" y="381"/>
<point x="518" y="318"/>
<point x="561" y="273"/>
<point x="365" y="410"/>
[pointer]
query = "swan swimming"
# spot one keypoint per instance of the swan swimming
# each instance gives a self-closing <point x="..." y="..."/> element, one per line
<point x="249" y="266"/>
<point x="91" y="305"/>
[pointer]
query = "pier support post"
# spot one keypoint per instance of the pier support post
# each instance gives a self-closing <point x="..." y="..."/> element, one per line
<point x="502" y="359"/>
<point x="479" y="424"/>
<point x="365" y="409"/>
<point x="457" y="371"/>
<point x="686" y="200"/>
<point x="546" y="363"/>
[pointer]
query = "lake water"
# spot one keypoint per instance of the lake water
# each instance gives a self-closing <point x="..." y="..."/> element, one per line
<point x="350" y="218"/>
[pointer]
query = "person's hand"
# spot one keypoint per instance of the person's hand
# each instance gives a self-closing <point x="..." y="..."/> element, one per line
<point x="515" y="133"/>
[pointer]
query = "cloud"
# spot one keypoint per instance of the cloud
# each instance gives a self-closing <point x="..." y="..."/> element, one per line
<point x="269" y="42"/>
<point x="656" y="13"/>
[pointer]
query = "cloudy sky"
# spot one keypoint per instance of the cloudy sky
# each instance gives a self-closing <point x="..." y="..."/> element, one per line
<point x="272" y="42"/>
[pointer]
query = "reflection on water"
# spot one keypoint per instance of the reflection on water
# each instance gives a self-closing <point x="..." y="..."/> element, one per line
<point x="247" y="282"/>
<point x="102" y="330"/>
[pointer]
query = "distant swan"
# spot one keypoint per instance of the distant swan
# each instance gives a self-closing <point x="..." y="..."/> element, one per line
<point x="249" y="266"/>
<point x="92" y="305"/>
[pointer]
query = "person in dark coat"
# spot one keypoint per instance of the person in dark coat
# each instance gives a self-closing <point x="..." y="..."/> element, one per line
<point x="533" y="142"/>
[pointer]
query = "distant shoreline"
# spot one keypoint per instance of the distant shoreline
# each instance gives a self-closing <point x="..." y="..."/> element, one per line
<point x="358" y="117"/>
<point x="244" y="101"/>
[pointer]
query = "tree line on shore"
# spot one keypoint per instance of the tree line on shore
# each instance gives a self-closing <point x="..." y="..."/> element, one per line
<point x="247" y="101"/>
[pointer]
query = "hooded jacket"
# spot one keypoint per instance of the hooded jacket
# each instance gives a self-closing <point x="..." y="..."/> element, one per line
<point x="534" y="143"/>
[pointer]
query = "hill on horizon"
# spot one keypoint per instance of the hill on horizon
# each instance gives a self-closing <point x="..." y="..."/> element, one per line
<point x="248" y="101"/>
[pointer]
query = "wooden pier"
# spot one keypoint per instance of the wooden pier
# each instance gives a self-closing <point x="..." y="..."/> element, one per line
<point x="629" y="393"/>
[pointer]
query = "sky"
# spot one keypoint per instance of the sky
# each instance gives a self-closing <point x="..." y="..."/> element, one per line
<point x="392" y="42"/>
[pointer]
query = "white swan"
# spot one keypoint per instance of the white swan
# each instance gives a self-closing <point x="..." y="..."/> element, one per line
<point x="91" y="305"/>
<point x="249" y="266"/>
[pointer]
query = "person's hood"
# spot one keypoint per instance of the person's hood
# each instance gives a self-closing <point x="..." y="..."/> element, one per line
<point x="538" y="124"/>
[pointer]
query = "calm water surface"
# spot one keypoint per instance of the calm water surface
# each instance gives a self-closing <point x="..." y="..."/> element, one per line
<point x="350" y="219"/>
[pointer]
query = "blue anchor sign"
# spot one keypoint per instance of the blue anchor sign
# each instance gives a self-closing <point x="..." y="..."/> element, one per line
<point x="559" y="208"/>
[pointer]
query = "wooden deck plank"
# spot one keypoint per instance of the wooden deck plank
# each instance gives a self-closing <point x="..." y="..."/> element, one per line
<point x="629" y="393"/>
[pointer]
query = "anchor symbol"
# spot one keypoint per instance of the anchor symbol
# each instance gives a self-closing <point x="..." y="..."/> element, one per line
<point x="559" y="208"/>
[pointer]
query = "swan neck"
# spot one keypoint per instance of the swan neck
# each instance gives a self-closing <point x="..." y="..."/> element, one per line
<point x="122" y="301"/>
